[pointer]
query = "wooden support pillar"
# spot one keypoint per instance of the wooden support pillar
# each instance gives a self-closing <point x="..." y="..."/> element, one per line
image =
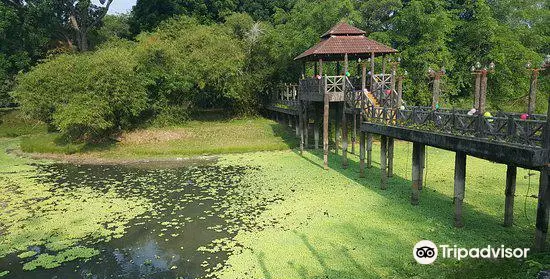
<point x="416" y="173"/>
<point x="460" y="186"/>
<point x="289" y="118"/>
<point x="346" y="64"/>
<point x="362" y="154"/>
<point x="543" y="210"/>
<point x="422" y="166"/>
<point x="316" y="127"/>
<point x="338" y="68"/>
<point x="326" y="102"/>
<point x="337" y="128"/>
<point x="315" y="69"/>
<point x="297" y="126"/>
<point x="369" y="150"/>
<point x="391" y="143"/>
<point x="383" y="162"/>
<point x="300" y="115"/>
<point x="510" y="192"/>
<point x="354" y="132"/>
<point x="321" y="67"/>
<point x="306" y="127"/>
<point x="345" y="162"/>
<point x="371" y="71"/>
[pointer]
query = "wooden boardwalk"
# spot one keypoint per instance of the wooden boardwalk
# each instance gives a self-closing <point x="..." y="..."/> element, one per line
<point x="504" y="138"/>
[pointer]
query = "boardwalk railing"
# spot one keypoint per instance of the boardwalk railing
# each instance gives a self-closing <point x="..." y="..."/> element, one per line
<point x="506" y="128"/>
<point x="286" y="97"/>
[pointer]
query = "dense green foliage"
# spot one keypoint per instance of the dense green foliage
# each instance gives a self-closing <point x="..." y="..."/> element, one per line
<point x="87" y="95"/>
<point x="232" y="54"/>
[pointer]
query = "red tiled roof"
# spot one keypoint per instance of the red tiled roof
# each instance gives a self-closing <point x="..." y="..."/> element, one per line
<point x="343" y="29"/>
<point x="339" y="45"/>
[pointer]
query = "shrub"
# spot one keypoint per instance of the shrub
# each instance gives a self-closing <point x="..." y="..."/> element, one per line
<point x="86" y="96"/>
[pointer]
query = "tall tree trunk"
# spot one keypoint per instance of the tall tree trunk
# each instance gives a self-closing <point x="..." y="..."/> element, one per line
<point x="83" y="42"/>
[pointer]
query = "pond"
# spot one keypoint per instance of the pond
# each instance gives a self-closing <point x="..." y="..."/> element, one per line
<point x="128" y="221"/>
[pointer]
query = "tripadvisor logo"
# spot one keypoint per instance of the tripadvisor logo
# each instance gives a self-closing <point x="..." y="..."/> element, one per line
<point x="426" y="252"/>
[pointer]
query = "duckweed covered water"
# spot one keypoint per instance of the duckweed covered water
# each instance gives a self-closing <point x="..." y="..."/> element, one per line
<point x="265" y="215"/>
<point x="89" y="221"/>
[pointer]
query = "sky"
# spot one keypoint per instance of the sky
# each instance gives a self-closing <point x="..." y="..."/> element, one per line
<point x="121" y="6"/>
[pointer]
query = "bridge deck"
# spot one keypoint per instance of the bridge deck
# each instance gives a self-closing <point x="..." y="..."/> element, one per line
<point x="501" y="152"/>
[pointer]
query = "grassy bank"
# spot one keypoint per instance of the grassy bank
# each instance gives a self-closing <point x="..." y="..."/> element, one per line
<point x="206" y="137"/>
<point x="14" y="124"/>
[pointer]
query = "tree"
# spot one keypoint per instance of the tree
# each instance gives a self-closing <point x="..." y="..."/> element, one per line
<point x="422" y="33"/>
<point x="82" y="17"/>
<point x="86" y="96"/>
<point x="148" y="14"/>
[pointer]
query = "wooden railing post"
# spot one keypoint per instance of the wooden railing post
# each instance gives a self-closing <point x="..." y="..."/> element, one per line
<point x="510" y="128"/>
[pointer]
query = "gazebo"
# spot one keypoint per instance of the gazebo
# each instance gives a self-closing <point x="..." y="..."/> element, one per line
<point x="341" y="43"/>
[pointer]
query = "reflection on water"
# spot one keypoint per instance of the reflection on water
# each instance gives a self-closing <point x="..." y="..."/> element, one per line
<point x="193" y="208"/>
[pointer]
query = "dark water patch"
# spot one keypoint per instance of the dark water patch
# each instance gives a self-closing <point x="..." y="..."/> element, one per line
<point x="194" y="211"/>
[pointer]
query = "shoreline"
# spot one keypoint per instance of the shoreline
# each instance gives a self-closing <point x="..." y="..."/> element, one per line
<point x="82" y="159"/>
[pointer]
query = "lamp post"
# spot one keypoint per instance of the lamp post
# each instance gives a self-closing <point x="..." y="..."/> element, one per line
<point x="436" y="75"/>
<point x="481" y="84"/>
<point x="533" y="85"/>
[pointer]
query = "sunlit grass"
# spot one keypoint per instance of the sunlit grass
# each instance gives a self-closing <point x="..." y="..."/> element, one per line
<point x="13" y="124"/>
<point x="193" y="138"/>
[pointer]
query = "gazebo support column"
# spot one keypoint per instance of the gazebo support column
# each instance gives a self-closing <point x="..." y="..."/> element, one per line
<point x="326" y="102"/>
<point x="354" y="132"/>
<point x="371" y="71"/>
<point x="316" y="127"/>
<point x="297" y="126"/>
<point x="344" y="137"/>
<point x="362" y="154"/>
<point x="306" y="126"/>
<point x="345" y="121"/>
<point x="300" y="110"/>
<point x="336" y="128"/>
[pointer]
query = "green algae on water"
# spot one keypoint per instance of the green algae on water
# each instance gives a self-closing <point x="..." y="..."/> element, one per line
<point x="53" y="220"/>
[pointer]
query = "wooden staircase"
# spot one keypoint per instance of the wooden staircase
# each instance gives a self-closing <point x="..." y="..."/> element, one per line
<point x="372" y="99"/>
